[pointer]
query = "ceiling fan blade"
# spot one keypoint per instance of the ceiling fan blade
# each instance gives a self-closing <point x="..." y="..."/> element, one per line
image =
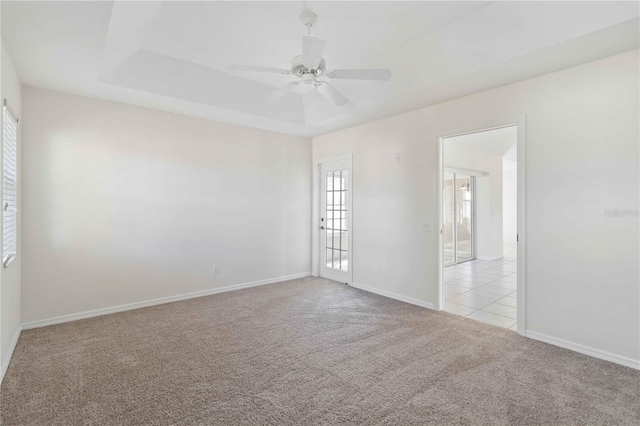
<point x="329" y="92"/>
<point x="380" y="74"/>
<point x="279" y="94"/>
<point x="258" y="69"/>
<point x="312" y="49"/>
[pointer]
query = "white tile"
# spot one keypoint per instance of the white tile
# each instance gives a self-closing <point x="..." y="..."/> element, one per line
<point x="499" y="291"/>
<point x="509" y="301"/>
<point x="466" y="283"/>
<point x="460" y="283"/>
<point x="454" y="274"/>
<point x="478" y="264"/>
<point x="501" y="284"/>
<point x="452" y="308"/>
<point x="507" y="280"/>
<point x="463" y="267"/>
<point x="477" y="278"/>
<point x="448" y="295"/>
<point x="454" y="289"/>
<point x="482" y="266"/>
<point x="505" y="311"/>
<point x="483" y="295"/>
<point x="486" y="275"/>
<point x="479" y="284"/>
<point x="506" y="269"/>
<point x="495" y="272"/>
<point x="504" y="283"/>
<point x="469" y="302"/>
<point x="497" y="262"/>
<point x="493" y="319"/>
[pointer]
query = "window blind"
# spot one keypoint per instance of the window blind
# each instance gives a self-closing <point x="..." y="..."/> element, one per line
<point x="9" y="185"/>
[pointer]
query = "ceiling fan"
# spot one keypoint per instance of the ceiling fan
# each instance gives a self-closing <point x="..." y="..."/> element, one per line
<point x="310" y="66"/>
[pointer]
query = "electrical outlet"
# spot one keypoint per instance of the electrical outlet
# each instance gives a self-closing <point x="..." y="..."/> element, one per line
<point x="215" y="269"/>
<point x="426" y="227"/>
<point x="379" y="271"/>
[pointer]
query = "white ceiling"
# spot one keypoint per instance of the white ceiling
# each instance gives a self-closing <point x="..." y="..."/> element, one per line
<point x="174" y="56"/>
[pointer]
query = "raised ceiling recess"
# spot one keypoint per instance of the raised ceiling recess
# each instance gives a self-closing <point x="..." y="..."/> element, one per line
<point x="178" y="56"/>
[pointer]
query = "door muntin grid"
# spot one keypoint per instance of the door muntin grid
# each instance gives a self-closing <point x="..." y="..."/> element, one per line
<point x="336" y="214"/>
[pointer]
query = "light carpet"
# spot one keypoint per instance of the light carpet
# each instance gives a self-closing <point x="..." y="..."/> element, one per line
<point x="304" y="352"/>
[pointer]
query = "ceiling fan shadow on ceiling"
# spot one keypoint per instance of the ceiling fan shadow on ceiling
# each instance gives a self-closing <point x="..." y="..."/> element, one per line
<point x="310" y="67"/>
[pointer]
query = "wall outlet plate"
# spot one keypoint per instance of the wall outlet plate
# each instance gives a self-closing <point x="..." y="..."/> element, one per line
<point x="215" y="269"/>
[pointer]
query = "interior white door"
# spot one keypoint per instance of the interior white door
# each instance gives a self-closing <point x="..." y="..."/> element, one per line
<point x="335" y="221"/>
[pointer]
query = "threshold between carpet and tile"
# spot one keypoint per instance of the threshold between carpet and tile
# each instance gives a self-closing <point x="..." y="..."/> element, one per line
<point x="306" y="351"/>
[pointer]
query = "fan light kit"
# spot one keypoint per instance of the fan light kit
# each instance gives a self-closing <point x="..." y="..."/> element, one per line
<point x="310" y="66"/>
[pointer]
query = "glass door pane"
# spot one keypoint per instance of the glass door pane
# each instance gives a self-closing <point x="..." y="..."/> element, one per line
<point x="337" y="256"/>
<point x="448" y="204"/>
<point x="464" y="218"/>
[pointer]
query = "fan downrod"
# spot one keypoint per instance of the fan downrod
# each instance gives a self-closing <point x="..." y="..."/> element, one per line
<point x="309" y="19"/>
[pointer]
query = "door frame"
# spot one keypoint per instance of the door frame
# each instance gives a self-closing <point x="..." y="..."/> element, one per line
<point x="315" y="215"/>
<point x="520" y="122"/>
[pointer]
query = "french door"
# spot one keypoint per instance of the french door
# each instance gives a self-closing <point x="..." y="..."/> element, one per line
<point x="335" y="221"/>
<point x="458" y="227"/>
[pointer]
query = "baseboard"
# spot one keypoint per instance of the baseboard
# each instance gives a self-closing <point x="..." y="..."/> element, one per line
<point x="394" y="296"/>
<point x="147" y="303"/>
<point x="586" y="350"/>
<point x="14" y="342"/>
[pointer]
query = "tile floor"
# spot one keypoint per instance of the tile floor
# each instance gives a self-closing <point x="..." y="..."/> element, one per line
<point x="482" y="290"/>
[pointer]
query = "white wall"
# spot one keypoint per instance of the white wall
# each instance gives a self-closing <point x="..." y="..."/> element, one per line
<point x="10" y="276"/>
<point x="488" y="194"/>
<point x="510" y="200"/>
<point x="582" y="154"/>
<point x="124" y="204"/>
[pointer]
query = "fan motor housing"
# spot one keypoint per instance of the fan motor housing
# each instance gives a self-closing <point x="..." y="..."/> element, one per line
<point x="300" y="69"/>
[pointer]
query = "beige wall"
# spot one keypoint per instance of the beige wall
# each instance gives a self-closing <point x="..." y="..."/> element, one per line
<point x="582" y="152"/>
<point x="124" y="204"/>
<point x="10" y="276"/>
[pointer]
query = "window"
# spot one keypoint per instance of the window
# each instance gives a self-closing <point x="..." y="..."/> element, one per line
<point x="9" y="185"/>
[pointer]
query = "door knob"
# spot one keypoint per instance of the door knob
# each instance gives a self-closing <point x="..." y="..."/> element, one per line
<point x="322" y="227"/>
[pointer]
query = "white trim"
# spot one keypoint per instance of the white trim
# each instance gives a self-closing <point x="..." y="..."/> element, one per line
<point x="521" y="245"/>
<point x="153" y="302"/>
<point x="477" y="173"/>
<point x="395" y="296"/>
<point x="323" y="271"/>
<point x="315" y="213"/>
<point x="12" y="347"/>
<point x="585" y="350"/>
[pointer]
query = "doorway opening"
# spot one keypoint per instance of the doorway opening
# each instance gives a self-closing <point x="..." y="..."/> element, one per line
<point x="480" y="225"/>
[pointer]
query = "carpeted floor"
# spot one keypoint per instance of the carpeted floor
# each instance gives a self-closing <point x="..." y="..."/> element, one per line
<point x="307" y="351"/>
